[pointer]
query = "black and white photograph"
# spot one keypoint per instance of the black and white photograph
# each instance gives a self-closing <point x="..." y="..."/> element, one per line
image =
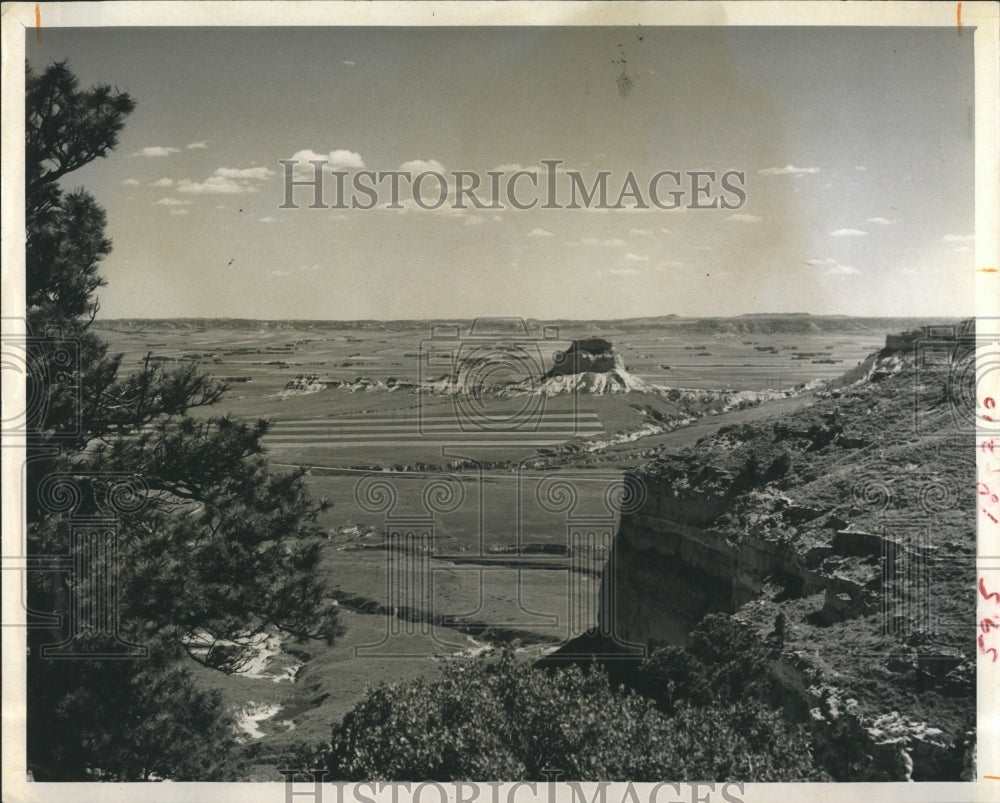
<point x="500" y="402"/>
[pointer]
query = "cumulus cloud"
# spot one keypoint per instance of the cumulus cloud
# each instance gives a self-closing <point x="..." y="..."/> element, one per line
<point x="879" y="221"/>
<point x="787" y="170"/>
<point x="156" y="151"/>
<point x="163" y="182"/>
<point x="958" y="238"/>
<point x="247" y="173"/>
<point x="267" y="219"/>
<point x="860" y="167"/>
<point x="507" y="168"/>
<point x="624" y="272"/>
<point x="848" y="233"/>
<point x="280" y="273"/>
<point x="179" y="212"/>
<point x="743" y="217"/>
<point x="214" y="185"/>
<point x="637" y="257"/>
<point x="197" y="146"/>
<point x="607" y="243"/>
<point x="422" y="166"/>
<point x="227" y="181"/>
<point x="348" y="63"/>
<point x="171" y="202"/>
<point x="131" y="182"/>
<point x="640" y="232"/>
<point x="339" y="159"/>
<point x="538" y="232"/>
<point x="832" y="267"/>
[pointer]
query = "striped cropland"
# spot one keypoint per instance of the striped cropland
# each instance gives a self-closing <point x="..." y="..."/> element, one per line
<point x="385" y="429"/>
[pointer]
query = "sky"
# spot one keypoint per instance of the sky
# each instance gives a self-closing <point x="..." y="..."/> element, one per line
<point x="856" y="146"/>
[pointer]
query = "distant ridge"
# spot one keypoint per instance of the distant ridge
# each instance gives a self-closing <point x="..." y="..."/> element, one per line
<point x="749" y="323"/>
<point x="779" y="315"/>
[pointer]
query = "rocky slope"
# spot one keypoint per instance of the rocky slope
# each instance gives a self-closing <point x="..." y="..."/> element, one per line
<point x="854" y="518"/>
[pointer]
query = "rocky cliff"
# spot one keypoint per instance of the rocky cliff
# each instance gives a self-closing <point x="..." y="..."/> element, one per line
<point x="590" y="365"/>
<point x="853" y="518"/>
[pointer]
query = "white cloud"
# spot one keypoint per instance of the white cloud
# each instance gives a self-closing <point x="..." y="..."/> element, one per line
<point x="280" y="273"/>
<point x="214" y="185"/>
<point x="227" y="181"/>
<point x="131" y="182"/>
<point x="538" y="232"/>
<point x="637" y="257"/>
<point x="246" y="173"/>
<point x="624" y="271"/>
<point x="156" y="151"/>
<point x="348" y="63"/>
<point x="848" y="233"/>
<point x="860" y="167"/>
<point x="640" y="232"/>
<point x="880" y="221"/>
<point x="340" y="159"/>
<point x="179" y="212"/>
<point x="197" y="146"/>
<point x="958" y="238"/>
<point x="314" y="266"/>
<point x="833" y="268"/>
<point x="507" y="168"/>
<point x="743" y="217"/>
<point x="474" y="221"/>
<point x="163" y="182"/>
<point x="171" y="202"/>
<point x="608" y="243"/>
<point x="422" y="166"/>
<point x="268" y="219"/>
<point x="787" y="170"/>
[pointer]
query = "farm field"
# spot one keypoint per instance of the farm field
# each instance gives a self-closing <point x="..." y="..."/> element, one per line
<point x="345" y="396"/>
<point x="461" y="522"/>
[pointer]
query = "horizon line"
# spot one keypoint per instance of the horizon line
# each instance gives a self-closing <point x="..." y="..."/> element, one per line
<point x="466" y="318"/>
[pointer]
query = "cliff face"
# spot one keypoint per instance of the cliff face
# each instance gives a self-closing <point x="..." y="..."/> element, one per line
<point x="856" y="527"/>
<point x="589" y="354"/>
<point x="590" y="365"/>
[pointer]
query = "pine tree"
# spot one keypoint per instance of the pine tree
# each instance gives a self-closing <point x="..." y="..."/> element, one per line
<point x="203" y="547"/>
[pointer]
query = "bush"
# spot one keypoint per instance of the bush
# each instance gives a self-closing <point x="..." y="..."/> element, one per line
<point x="672" y="675"/>
<point x="509" y="721"/>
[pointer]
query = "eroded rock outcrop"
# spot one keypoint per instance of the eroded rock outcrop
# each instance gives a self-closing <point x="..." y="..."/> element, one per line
<point x="590" y="365"/>
<point x="860" y="533"/>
